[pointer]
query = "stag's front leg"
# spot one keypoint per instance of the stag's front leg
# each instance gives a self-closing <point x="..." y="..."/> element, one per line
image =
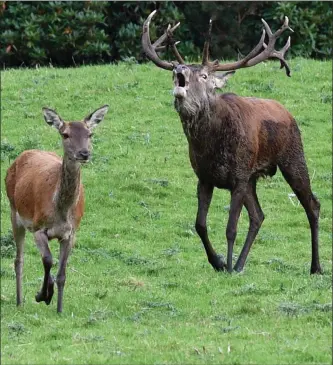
<point x="237" y="200"/>
<point x="205" y="193"/>
<point x="256" y="217"/>
<point x="65" y="248"/>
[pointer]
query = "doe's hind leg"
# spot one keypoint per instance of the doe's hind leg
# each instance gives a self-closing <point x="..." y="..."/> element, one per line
<point x="19" y="235"/>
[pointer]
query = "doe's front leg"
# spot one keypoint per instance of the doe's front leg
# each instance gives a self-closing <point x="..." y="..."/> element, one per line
<point x="65" y="249"/>
<point x="46" y="292"/>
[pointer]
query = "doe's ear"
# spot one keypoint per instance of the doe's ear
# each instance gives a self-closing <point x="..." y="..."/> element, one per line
<point x="52" y="118"/>
<point x="221" y="80"/>
<point x="96" y="117"/>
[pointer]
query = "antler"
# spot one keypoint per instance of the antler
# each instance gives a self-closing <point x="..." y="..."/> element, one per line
<point x="152" y="49"/>
<point x="168" y="37"/>
<point x="255" y="56"/>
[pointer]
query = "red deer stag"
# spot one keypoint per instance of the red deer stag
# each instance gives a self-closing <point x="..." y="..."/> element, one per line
<point x="234" y="140"/>
<point x="46" y="197"/>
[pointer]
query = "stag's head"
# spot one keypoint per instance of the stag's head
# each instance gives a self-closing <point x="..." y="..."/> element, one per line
<point x="198" y="82"/>
<point x="76" y="136"/>
<point x="196" y="79"/>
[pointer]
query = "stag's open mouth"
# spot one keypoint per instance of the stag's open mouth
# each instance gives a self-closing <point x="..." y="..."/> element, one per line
<point x="180" y="79"/>
<point x="181" y="85"/>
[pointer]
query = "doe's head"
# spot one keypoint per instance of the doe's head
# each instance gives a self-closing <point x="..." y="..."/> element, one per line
<point x="76" y="136"/>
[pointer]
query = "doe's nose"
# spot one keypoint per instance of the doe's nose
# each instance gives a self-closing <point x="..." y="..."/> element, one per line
<point x="84" y="153"/>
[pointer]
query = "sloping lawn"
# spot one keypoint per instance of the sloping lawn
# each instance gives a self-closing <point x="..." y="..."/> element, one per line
<point x="139" y="288"/>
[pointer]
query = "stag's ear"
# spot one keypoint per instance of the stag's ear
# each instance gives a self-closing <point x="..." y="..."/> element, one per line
<point x="52" y="118"/>
<point x="96" y="117"/>
<point x="221" y="80"/>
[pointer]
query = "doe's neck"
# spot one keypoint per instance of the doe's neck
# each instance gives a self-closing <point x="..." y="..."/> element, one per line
<point x="69" y="185"/>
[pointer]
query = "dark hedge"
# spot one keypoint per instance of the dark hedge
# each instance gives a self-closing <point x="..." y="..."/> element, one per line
<point x="77" y="32"/>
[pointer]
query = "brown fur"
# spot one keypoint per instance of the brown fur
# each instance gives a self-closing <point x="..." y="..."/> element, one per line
<point x="265" y="125"/>
<point x="46" y="197"/>
<point x="34" y="172"/>
<point x="234" y="140"/>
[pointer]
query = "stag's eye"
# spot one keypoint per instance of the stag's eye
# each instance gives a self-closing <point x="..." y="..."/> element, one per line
<point x="65" y="135"/>
<point x="90" y="135"/>
<point x="204" y="76"/>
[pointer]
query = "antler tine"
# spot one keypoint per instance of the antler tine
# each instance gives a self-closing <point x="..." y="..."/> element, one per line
<point x="167" y="34"/>
<point x="269" y="51"/>
<point x="205" y="52"/>
<point x="255" y="56"/>
<point x="256" y="49"/>
<point x="280" y="55"/>
<point x="175" y="51"/>
<point x="162" y="48"/>
<point x="149" y="49"/>
<point x="177" y="54"/>
<point x="242" y="63"/>
<point x="279" y="31"/>
<point x="168" y="38"/>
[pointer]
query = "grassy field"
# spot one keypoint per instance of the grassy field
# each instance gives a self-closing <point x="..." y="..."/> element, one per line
<point x="139" y="288"/>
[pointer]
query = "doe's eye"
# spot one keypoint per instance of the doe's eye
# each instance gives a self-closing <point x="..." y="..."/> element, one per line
<point x="90" y="135"/>
<point x="65" y="135"/>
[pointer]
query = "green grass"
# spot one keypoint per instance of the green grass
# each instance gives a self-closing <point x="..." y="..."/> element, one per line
<point x="139" y="288"/>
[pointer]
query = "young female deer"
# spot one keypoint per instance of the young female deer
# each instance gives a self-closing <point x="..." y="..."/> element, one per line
<point x="46" y="197"/>
<point x="234" y="140"/>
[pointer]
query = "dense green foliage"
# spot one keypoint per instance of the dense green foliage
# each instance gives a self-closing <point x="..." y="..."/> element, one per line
<point x="60" y="33"/>
<point x="74" y="32"/>
<point x="312" y="23"/>
<point x="139" y="288"/>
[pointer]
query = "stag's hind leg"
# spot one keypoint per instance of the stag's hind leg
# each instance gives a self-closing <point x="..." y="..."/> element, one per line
<point x="46" y="292"/>
<point x="205" y="193"/>
<point x="256" y="217"/>
<point x="19" y="235"/>
<point x="296" y="174"/>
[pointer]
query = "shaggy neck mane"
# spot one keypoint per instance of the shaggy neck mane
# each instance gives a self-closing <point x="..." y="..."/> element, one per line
<point x="193" y="110"/>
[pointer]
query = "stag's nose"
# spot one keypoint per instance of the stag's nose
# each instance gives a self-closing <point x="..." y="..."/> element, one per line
<point x="84" y="153"/>
<point x="180" y="68"/>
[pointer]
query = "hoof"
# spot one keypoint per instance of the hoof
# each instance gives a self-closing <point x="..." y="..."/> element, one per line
<point x="316" y="270"/>
<point x="39" y="297"/>
<point x="218" y="263"/>
<point x="42" y="297"/>
<point x="239" y="271"/>
<point x="50" y="291"/>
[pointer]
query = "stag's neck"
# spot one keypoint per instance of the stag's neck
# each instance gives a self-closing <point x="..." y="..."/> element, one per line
<point x="191" y="108"/>
<point x="69" y="186"/>
<point x="198" y="117"/>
